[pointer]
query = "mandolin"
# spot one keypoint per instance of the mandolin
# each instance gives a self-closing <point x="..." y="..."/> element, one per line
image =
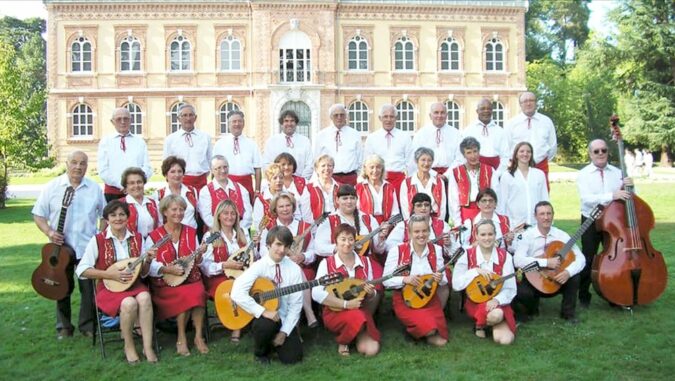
<point x="132" y="266"/>
<point x="481" y="290"/>
<point x="265" y="293"/>
<point x="420" y="296"/>
<point x="363" y="241"/>
<point x="518" y="229"/>
<point x="299" y="240"/>
<point x="51" y="279"/>
<point x="244" y="255"/>
<point x="353" y="288"/>
<point x="186" y="263"/>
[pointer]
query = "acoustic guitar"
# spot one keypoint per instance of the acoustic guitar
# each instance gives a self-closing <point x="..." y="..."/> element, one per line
<point x="363" y="241"/>
<point x="543" y="280"/>
<point x="132" y="266"/>
<point x="50" y="279"/>
<point x="244" y="255"/>
<point x="186" y="263"/>
<point x="265" y="293"/>
<point x="481" y="290"/>
<point x="420" y="296"/>
<point x="353" y="288"/>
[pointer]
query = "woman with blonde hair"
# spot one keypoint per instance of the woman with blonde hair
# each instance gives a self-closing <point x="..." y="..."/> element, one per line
<point x="376" y="195"/>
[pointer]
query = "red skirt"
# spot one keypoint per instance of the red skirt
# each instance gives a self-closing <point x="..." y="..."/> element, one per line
<point x="245" y="181"/>
<point x="109" y="302"/>
<point x="348" y="324"/>
<point x="109" y="189"/>
<point x="543" y="165"/>
<point x="479" y="314"/>
<point x="422" y="321"/>
<point x="468" y="212"/>
<point x="348" y="178"/>
<point x="492" y="161"/>
<point x="440" y="170"/>
<point x="211" y="283"/>
<point x="395" y="179"/>
<point x="197" y="182"/>
<point x="172" y="301"/>
<point x="309" y="271"/>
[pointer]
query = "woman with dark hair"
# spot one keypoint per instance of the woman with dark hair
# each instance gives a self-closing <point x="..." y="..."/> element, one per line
<point x="261" y="205"/>
<point x="143" y="211"/>
<point x="487" y="204"/>
<point x="173" y="170"/>
<point x="294" y="184"/>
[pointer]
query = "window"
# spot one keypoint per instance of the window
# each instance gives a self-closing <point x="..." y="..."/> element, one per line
<point x="180" y="54"/>
<point x="230" y="54"/>
<point x="175" y="125"/>
<point x="494" y="55"/>
<point x="357" y="51"/>
<point x="403" y="54"/>
<point x="498" y="113"/>
<point x="450" y="54"/>
<point x="224" y="112"/>
<point x="136" y="124"/>
<point x="304" y="115"/>
<point x="81" y="55"/>
<point x="295" y="64"/>
<point x="83" y="121"/>
<point x="406" y="116"/>
<point x="358" y="116"/>
<point x="130" y="54"/>
<point x="453" y="114"/>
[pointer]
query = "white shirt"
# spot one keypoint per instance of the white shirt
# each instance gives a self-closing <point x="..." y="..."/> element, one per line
<point x="189" y="217"/>
<point x="90" y="256"/>
<point x="595" y="188"/>
<point x="209" y="266"/>
<point x="396" y="151"/>
<point x="245" y="161"/>
<point x="310" y="253"/>
<point x="112" y="161"/>
<point x="259" y="209"/>
<point x="445" y="151"/>
<point x="301" y="150"/>
<point x="533" y="243"/>
<point x="319" y="293"/>
<point x="328" y="201"/>
<point x="146" y="223"/>
<point x="518" y="195"/>
<point x="462" y="276"/>
<point x="323" y="244"/>
<point x="494" y="144"/>
<point x="397" y="235"/>
<point x="470" y="223"/>
<point x="453" y="192"/>
<point x="541" y="135"/>
<point x="197" y="157"/>
<point x="415" y="181"/>
<point x="205" y="203"/>
<point x="419" y="265"/>
<point x="377" y="198"/>
<point x="82" y="215"/>
<point x="347" y="153"/>
<point x="289" y="305"/>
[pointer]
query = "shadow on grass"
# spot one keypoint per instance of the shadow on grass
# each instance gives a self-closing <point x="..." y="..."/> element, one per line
<point x="17" y="212"/>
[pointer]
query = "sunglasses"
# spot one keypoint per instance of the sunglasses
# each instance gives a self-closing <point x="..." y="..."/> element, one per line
<point x="599" y="151"/>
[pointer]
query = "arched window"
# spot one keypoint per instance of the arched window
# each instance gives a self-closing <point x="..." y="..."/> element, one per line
<point x="404" y="54"/>
<point x="130" y="54"/>
<point x="494" y="55"/>
<point x="295" y="64"/>
<point x="136" y="124"/>
<point x="358" y="116"/>
<point x="224" y="111"/>
<point x="175" y="125"/>
<point x="81" y="55"/>
<point x="230" y="54"/>
<point x="406" y="116"/>
<point x="453" y="114"/>
<point x="83" y="121"/>
<point x="449" y="54"/>
<point x="180" y="54"/>
<point x="498" y="113"/>
<point x="304" y="115"/>
<point x="357" y="51"/>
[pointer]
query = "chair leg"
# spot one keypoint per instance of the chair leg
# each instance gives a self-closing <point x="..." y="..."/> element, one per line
<point x="207" y="327"/>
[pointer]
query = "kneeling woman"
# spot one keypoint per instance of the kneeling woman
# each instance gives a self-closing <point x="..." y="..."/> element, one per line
<point x="354" y="321"/>
<point x="485" y="260"/>
<point x="113" y="244"/>
<point x="188" y="298"/>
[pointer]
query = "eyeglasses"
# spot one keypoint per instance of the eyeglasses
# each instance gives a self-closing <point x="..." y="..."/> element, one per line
<point x="599" y="151"/>
<point x="422" y="205"/>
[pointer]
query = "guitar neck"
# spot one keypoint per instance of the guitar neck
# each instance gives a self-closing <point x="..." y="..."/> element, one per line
<point x="279" y="292"/>
<point x="452" y="260"/>
<point x="570" y="243"/>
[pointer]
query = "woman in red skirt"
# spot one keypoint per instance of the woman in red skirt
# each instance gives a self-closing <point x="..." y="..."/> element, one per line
<point x="188" y="298"/>
<point x="113" y="244"/>
<point x="483" y="260"/>
<point x="354" y="322"/>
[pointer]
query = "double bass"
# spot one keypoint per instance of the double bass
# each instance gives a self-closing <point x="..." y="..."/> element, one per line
<point x="629" y="271"/>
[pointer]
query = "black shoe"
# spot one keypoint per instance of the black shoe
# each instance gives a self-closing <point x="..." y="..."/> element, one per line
<point x="585" y="304"/>
<point x="262" y="360"/>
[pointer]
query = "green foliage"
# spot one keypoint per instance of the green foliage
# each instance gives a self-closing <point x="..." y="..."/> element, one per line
<point x="551" y="25"/>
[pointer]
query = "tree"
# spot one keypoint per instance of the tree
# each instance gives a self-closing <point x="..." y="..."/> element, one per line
<point x="552" y="25"/>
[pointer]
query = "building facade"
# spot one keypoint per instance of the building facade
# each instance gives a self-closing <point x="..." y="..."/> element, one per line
<point x="266" y="56"/>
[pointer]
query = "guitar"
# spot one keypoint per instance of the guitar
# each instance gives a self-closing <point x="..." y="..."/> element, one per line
<point x="420" y="296"/>
<point x="353" y="288"/>
<point x="299" y="240"/>
<point x="50" y="279"/>
<point x="131" y="265"/>
<point x="265" y="293"/>
<point x="363" y="241"/>
<point x="481" y="290"/>
<point x="543" y="280"/>
<point x="186" y="263"/>
<point x="245" y="254"/>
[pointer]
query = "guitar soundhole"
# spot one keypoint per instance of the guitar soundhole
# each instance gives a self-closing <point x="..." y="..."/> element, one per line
<point x="54" y="261"/>
<point x="256" y="297"/>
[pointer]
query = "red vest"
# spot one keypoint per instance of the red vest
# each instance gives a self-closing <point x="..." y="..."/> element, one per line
<point x="316" y="201"/>
<point x="132" y="222"/>
<point x="497" y="268"/>
<point x="361" y="272"/>
<point x="302" y="226"/>
<point x="365" y="197"/>
<point x="167" y="254"/>
<point x="191" y="195"/>
<point x="266" y="211"/>
<point x="405" y="255"/>
<point x="300" y="183"/>
<point x="106" y="249"/>
<point x="220" y="250"/>
<point x="503" y="226"/>
<point x="219" y="195"/>
<point x="335" y="221"/>
<point x="436" y="192"/>
<point x="464" y="183"/>
<point x="437" y="226"/>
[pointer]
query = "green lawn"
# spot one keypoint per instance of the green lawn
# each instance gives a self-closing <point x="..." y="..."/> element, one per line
<point x="607" y="345"/>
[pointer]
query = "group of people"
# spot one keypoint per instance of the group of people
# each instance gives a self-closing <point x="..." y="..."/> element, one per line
<point x="639" y="162"/>
<point x="478" y="198"/>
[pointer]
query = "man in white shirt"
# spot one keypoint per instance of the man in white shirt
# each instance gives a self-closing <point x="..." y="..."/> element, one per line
<point x="392" y="145"/>
<point x="533" y="242"/>
<point x="191" y="145"/>
<point x="291" y="142"/>
<point x="273" y="329"/>
<point x="242" y="153"/>
<point x="597" y="183"/>
<point x="438" y="137"/>
<point x="120" y="151"/>
<point x="534" y="128"/>
<point x="343" y="144"/>
<point x="494" y="145"/>
<point x="80" y="225"/>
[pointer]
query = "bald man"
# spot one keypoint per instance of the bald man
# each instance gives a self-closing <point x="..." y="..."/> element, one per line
<point x="439" y="137"/>
<point x="494" y="148"/>
<point x="343" y="144"/>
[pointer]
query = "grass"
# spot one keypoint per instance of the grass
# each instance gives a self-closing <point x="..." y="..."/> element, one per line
<point x="607" y="345"/>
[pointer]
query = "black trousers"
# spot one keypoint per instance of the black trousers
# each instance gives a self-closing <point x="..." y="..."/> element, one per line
<point x="526" y="302"/>
<point x="264" y="330"/>
<point x="590" y="243"/>
<point x="87" y="312"/>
